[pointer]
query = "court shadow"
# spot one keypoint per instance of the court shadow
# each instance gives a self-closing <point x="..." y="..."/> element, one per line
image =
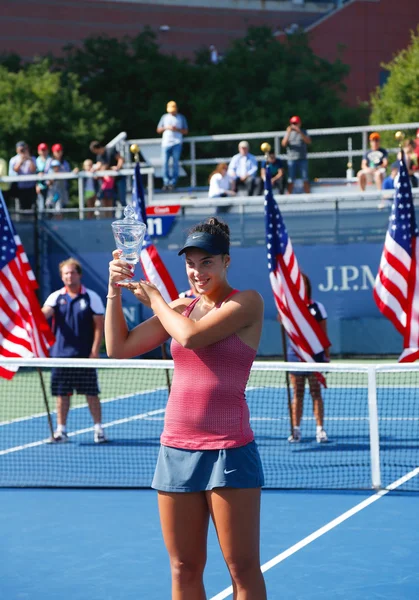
<point x="121" y="442"/>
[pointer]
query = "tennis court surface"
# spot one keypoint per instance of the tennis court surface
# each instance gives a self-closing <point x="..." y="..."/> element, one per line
<point x="106" y="543"/>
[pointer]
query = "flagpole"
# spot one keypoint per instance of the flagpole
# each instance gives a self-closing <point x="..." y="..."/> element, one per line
<point x="287" y="375"/>
<point x="135" y="150"/>
<point x="266" y="148"/>
<point x="44" y="394"/>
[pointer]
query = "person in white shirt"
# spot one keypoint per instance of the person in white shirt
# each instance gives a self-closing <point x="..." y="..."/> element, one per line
<point x="220" y="186"/>
<point x="220" y="182"/>
<point x="173" y="126"/>
<point x="243" y="168"/>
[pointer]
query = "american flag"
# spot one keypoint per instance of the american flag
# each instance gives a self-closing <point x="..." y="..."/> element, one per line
<point x="396" y="289"/>
<point x="151" y="262"/>
<point x="24" y="331"/>
<point x="304" y="332"/>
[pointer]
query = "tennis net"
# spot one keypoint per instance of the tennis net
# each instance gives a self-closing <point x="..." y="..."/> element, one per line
<point x="371" y="419"/>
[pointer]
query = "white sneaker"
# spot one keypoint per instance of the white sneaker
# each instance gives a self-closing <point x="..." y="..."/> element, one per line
<point x="321" y="437"/>
<point x="295" y="438"/>
<point x="60" y="437"/>
<point x="100" y="437"/>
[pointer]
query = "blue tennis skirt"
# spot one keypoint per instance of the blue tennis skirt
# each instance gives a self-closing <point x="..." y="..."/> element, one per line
<point x="180" y="470"/>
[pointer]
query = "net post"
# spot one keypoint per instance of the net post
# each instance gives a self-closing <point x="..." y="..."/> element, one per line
<point x="373" y="423"/>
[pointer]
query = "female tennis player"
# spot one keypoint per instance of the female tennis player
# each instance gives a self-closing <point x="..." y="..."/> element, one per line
<point x="298" y="379"/>
<point x="208" y="465"/>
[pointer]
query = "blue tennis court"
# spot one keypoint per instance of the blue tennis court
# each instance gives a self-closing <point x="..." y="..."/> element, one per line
<point x="326" y="534"/>
<point x="107" y="545"/>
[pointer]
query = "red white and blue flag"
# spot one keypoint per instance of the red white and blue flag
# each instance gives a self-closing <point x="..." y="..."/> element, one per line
<point x="24" y="331"/>
<point x="151" y="262"/>
<point x="396" y="289"/>
<point x="305" y="334"/>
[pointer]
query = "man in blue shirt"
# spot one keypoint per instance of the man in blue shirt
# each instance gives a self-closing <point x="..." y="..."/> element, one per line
<point x="78" y="315"/>
<point x="243" y="168"/>
<point x="173" y="126"/>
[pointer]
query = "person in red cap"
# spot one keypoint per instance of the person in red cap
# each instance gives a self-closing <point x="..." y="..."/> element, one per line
<point x="296" y="140"/>
<point x="374" y="164"/>
<point x="41" y="161"/>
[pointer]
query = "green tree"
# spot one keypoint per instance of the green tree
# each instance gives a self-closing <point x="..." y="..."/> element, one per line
<point x="398" y="100"/>
<point x="38" y="105"/>
<point x="132" y="79"/>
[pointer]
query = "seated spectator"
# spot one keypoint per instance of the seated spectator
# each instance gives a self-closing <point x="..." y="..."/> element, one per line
<point x="242" y="169"/>
<point x="220" y="183"/>
<point x="57" y="195"/>
<point x="275" y="167"/>
<point x="89" y="187"/>
<point x="374" y="164"/>
<point x="110" y="159"/>
<point x="4" y="187"/>
<point x="23" y="164"/>
<point x="296" y="140"/>
<point x="41" y="161"/>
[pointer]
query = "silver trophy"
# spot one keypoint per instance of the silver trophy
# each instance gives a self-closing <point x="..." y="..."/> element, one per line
<point x="129" y="236"/>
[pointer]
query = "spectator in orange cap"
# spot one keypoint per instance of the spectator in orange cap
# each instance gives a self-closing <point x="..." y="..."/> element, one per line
<point x="173" y="126"/>
<point x="374" y="164"/>
<point x="296" y="140"/>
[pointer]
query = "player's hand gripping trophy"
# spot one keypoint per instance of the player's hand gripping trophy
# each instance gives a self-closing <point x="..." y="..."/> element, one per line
<point x="129" y="235"/>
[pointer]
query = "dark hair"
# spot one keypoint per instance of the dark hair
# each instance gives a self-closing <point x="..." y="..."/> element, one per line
<point x="212" y="226"/>
<point x="95" y="145"/>
<point x="308" y="285"/>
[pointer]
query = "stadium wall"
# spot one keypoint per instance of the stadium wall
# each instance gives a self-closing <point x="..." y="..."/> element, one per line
<point x="364" y="34"/>
<point x="342" y="278"/>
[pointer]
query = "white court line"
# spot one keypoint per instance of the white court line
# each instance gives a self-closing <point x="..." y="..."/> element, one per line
<point x="328" y="527"/>
<point x="86" y="430"/>
<point x="85" y="405"/>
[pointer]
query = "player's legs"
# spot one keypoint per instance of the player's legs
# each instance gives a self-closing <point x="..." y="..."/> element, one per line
<point x="298" y="385"/>
<point x="63" y="406"/>
<point x="236" y="516"/>
<point x="184" y="520"/>
<point x="318" y="407"/>
<point x="315" y="392"/>
<point x="95" y="408"/>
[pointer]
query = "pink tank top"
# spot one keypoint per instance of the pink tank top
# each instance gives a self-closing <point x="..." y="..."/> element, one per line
<point x="207" y="408"/>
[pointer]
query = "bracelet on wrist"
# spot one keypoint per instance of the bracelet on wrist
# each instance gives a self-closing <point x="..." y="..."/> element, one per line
<point x="110" y="297"/>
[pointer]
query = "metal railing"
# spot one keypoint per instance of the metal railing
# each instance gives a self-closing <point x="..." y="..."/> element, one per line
<point x="80" y="176"/>
<point x="349" y="152"/>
